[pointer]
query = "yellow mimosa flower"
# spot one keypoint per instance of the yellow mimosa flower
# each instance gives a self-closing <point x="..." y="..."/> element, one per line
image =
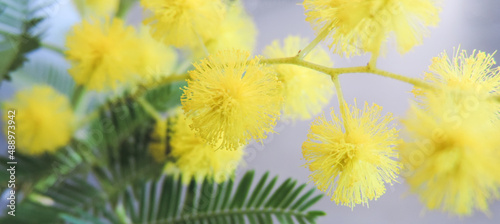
<point x="232" y="99"/>
<point x="358" y="26"/>
<point x="194" y="158"/>
<point x="452" y="160"/>
<point x="351" y="160"/>
<point x="237" y="30"/>
<point x="103" y="54"/>
<point x="184" y="22"/>
<point x="44" y="120"/>
<point x="306" y="91"/>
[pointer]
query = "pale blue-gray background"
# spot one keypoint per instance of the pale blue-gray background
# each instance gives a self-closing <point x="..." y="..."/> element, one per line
<point x="473" y="24"/>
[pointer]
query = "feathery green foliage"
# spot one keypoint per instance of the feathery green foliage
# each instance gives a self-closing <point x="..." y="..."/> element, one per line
<point x="164" y="199"/>
<point x="18" y="32"/>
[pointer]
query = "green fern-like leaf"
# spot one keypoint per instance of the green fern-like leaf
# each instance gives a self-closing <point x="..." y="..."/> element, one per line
<point x="166" y="200"/>
<point x="43" y="171"/>
<point x="18" y="34"/>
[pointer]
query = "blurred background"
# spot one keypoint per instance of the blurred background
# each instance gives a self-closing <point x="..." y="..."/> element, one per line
<point x="469" y="24"/>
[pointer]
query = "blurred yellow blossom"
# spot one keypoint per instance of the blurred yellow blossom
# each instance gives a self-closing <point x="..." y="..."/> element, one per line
<point x="306" y="91"/>
<point x="155" y="59"/>
<point x="184" y="22"/>
<point x="358" y="26"/>
<point x="237" y="30"/>
<point x="452" y="160"/>
<point x="102" y="53"/>
<point x="44" y="120"/>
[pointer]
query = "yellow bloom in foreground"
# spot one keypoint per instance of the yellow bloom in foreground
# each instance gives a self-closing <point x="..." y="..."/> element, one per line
<point x="452" y="162"/>
<point x="183" y="22"/>
<point x="359" y="26"/>
<point x="237" y="30"/>
<point x="102" y="55"/>
<point x="196" y="159"/>
<point x="306" y="91"/>
<point x="44" y="120"/>
<point x="232" y="99"/>
<point x="158" y="146"/>
<point x="352" y="166"/>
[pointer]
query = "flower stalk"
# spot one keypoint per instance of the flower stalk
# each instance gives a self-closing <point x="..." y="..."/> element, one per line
<point x="315" y="42"/>
<point x="338" y="71"/>
<point x="77" y="96"/>
<point x="342" y="103"/>
<point x="149" y="109"/>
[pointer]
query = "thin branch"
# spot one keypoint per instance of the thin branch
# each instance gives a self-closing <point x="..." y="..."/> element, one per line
<point x="303" y="53"/>
<point x="413" y="81"/>
<point x="338" y="71"/>
<point x="373" y="60"/>
<point x="299" y="62"/>
<point x="53" y="48"/>
<point x="149" y="109"/>
<point x="342" y="103"/>
<point x="166" y="80"/>
<point x="77" y="96"/>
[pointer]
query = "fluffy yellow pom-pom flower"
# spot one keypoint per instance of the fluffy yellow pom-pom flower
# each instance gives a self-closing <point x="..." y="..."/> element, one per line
<point x="196" y="159"/>
<point x="232" y="99"/>
<point x="44" y="120"/>
<point x="473" y="74"/>
<point x="305" y="91"/>
<point x="452" y="163"/>
<point x="184" y="22"/>
<point x="352" y="166"/>
<point x="237" y="30"/>
<point x="102" y="54"/>
<point x="358" y="26"/>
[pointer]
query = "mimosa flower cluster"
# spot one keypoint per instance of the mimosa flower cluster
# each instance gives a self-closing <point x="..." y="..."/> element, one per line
<point x="449" y="153"/>
<point x="453" y="157"/>
<point x="103" y="55"/>
<point x="352" y="159"/>
<point x="43" y="112"/>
